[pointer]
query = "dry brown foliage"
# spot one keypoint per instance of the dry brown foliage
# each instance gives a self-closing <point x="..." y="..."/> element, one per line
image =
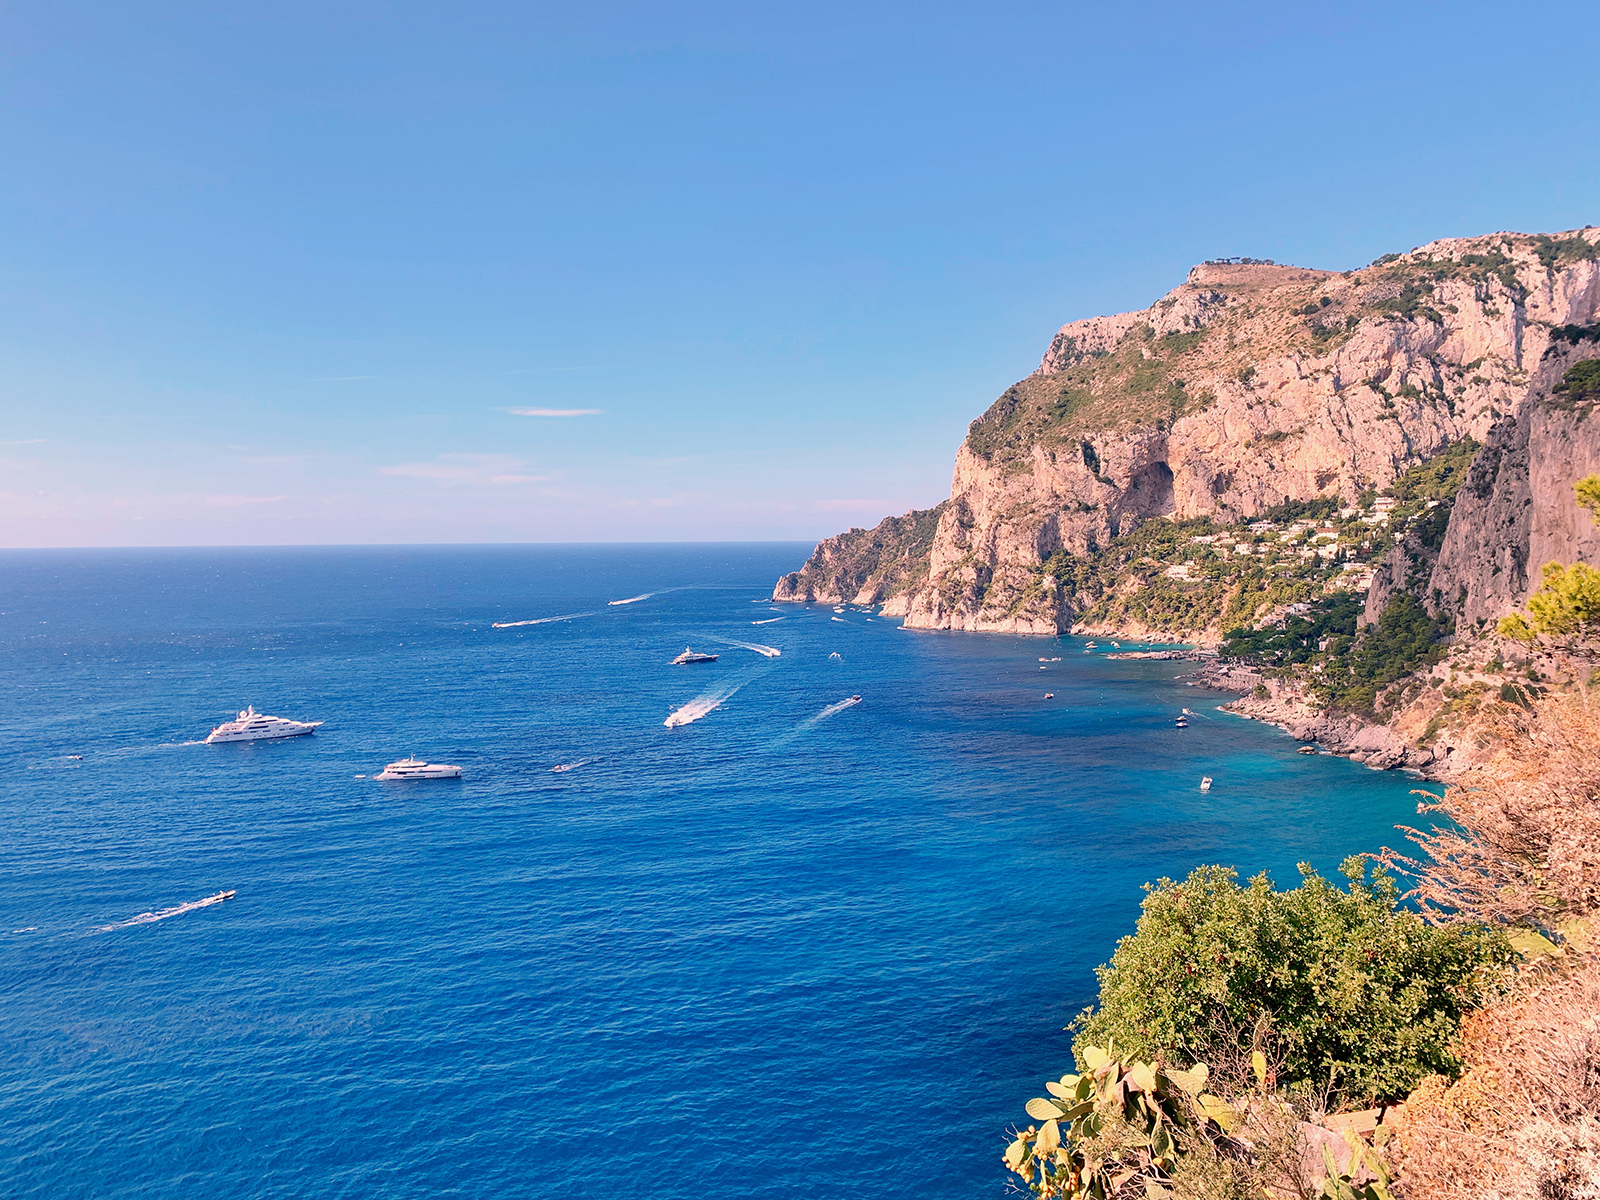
<point x="1523" y="1121"/>
<point x="1524" y="848"/>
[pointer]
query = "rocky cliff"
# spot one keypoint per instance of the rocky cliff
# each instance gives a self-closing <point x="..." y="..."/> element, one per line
<point x="1247" y="386"/>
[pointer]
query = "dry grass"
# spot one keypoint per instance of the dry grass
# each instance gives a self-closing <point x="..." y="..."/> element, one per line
<point x="1523" y="1121"/>
<point x="1525" y="846"/>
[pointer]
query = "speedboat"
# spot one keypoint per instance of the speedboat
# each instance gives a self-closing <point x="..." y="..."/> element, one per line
<point x="1205" y="783"/>
<point x="689" y="656"/>
<point x="251" y="726"/>
<point x="855" y="699"/>
<point x="1308" y="749"/>
<point x="1049" y="695"/>
<point x="416" y="768"/>
<point x="1182" y="722"/>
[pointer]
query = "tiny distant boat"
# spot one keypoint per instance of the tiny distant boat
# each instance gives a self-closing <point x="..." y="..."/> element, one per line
<point x="1308" y="749"/>
<point x="1091" y="645"/>
<point x="252" y="726"/>
<point x="835" y="657"/>
<point x="1182" y="722"/>
<point x="689" y="656"/>
<point x="1116" y="645"/>
<point x="838" y="610"/>
<point x="1187" y="713"/>
<point x="855" y="699"/>
<point x="1049" y="695"/>
<point x="75" y="757"/>
<point x="571" y="766"/>
<point x="416" y="768"/>
<point x="1205" y="783"/>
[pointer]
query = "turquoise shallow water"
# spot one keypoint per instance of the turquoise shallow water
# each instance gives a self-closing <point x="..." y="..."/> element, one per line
<point x="769" y="953"/>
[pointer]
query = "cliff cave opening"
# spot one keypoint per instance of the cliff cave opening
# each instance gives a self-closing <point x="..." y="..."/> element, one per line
<point x="1150" y="491"/>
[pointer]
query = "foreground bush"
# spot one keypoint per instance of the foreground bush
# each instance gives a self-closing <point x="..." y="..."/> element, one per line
<point x="1524" y="1119"/>
<point x="1522" y="846"/>
<point x="1356" y="998"/>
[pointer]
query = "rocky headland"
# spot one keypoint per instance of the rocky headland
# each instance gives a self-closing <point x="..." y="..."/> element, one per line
<point x="1342" y="464"/>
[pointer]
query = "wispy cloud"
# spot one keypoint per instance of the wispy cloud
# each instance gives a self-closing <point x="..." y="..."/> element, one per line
<point x="240" y="501"/>
<point x="499" y="469"/>
<point x="22" y="442"/>
<point x="341" y="378"/>
<point x="554" y="412"/>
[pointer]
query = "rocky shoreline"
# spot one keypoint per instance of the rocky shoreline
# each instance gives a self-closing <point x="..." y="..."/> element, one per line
<point x="1286" y="705"/>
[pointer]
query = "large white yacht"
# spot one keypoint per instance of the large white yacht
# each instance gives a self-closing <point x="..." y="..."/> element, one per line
<point x="252" y="726"/>
<point x="415" y="768"/>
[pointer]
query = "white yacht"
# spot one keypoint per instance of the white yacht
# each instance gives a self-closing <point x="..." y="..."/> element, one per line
<point x="415" y="768"/>
<point x="689" y="656"/>
<point x="252" y="726"/>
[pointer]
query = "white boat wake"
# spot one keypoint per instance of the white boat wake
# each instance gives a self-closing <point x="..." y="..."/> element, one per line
<point x="540" y="620"/>
<point x="841" y="620"/>
<point x="835" y="708"/>
<point x="700" y="706"/>
<point x="571" y="766"/>
<point x="149" y="918"/>
<point x="768" y="621"/>
<point x="630" y="599"/>
<point x="764" y="651"/>
<point x="811" y="722"/>
<point x="178" y="745"/>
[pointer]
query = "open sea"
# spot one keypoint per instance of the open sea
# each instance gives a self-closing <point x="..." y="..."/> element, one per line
<point x="786" y="949"/>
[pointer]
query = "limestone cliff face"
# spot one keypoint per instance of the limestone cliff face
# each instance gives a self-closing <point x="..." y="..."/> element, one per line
<point x="1518" y="510"/>
<point x="1245" y="386"/>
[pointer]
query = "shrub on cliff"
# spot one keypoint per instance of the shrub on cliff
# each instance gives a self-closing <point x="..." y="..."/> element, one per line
<point x="1352" y="993"/>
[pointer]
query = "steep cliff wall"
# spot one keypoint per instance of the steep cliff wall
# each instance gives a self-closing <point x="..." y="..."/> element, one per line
<point x="1244" y="387"/>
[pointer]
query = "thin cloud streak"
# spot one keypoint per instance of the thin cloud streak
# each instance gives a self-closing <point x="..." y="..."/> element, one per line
<point x="497" y="469"/>
<point x="554" y="412"/>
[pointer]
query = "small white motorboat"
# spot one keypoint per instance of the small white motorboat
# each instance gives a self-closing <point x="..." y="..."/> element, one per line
<point x="1205" y="783"/>
<point x="415" y="768"/>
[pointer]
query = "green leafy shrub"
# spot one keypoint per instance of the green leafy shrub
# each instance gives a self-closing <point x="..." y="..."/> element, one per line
<point x="1360" y="996"/>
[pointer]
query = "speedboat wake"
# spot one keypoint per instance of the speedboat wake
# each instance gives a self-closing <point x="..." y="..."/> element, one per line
<point x="571" y="766"/>
<point x="630" y="599"/>
<point x="540" y="620"/>
<point x="768" y="621"/>
<point x="701" y="706"/>
<point x="149" y="918"/>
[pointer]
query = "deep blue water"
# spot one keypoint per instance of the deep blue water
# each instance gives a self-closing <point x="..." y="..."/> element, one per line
<point x="761" y="955"/>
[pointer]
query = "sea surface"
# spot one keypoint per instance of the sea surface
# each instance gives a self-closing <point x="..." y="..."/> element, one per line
<point x="786" y="949"/>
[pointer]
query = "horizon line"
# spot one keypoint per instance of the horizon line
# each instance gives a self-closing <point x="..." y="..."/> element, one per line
<point x="414" y="545"/>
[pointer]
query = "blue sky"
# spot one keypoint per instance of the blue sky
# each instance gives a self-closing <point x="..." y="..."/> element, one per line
<point x="284" y="273"/>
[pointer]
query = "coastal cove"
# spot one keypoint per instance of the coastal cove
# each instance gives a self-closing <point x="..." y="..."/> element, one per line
<point x="705" y="961"/>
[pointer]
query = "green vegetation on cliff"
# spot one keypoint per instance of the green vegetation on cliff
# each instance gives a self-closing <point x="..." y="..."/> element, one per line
<point x="884" y="561"/>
